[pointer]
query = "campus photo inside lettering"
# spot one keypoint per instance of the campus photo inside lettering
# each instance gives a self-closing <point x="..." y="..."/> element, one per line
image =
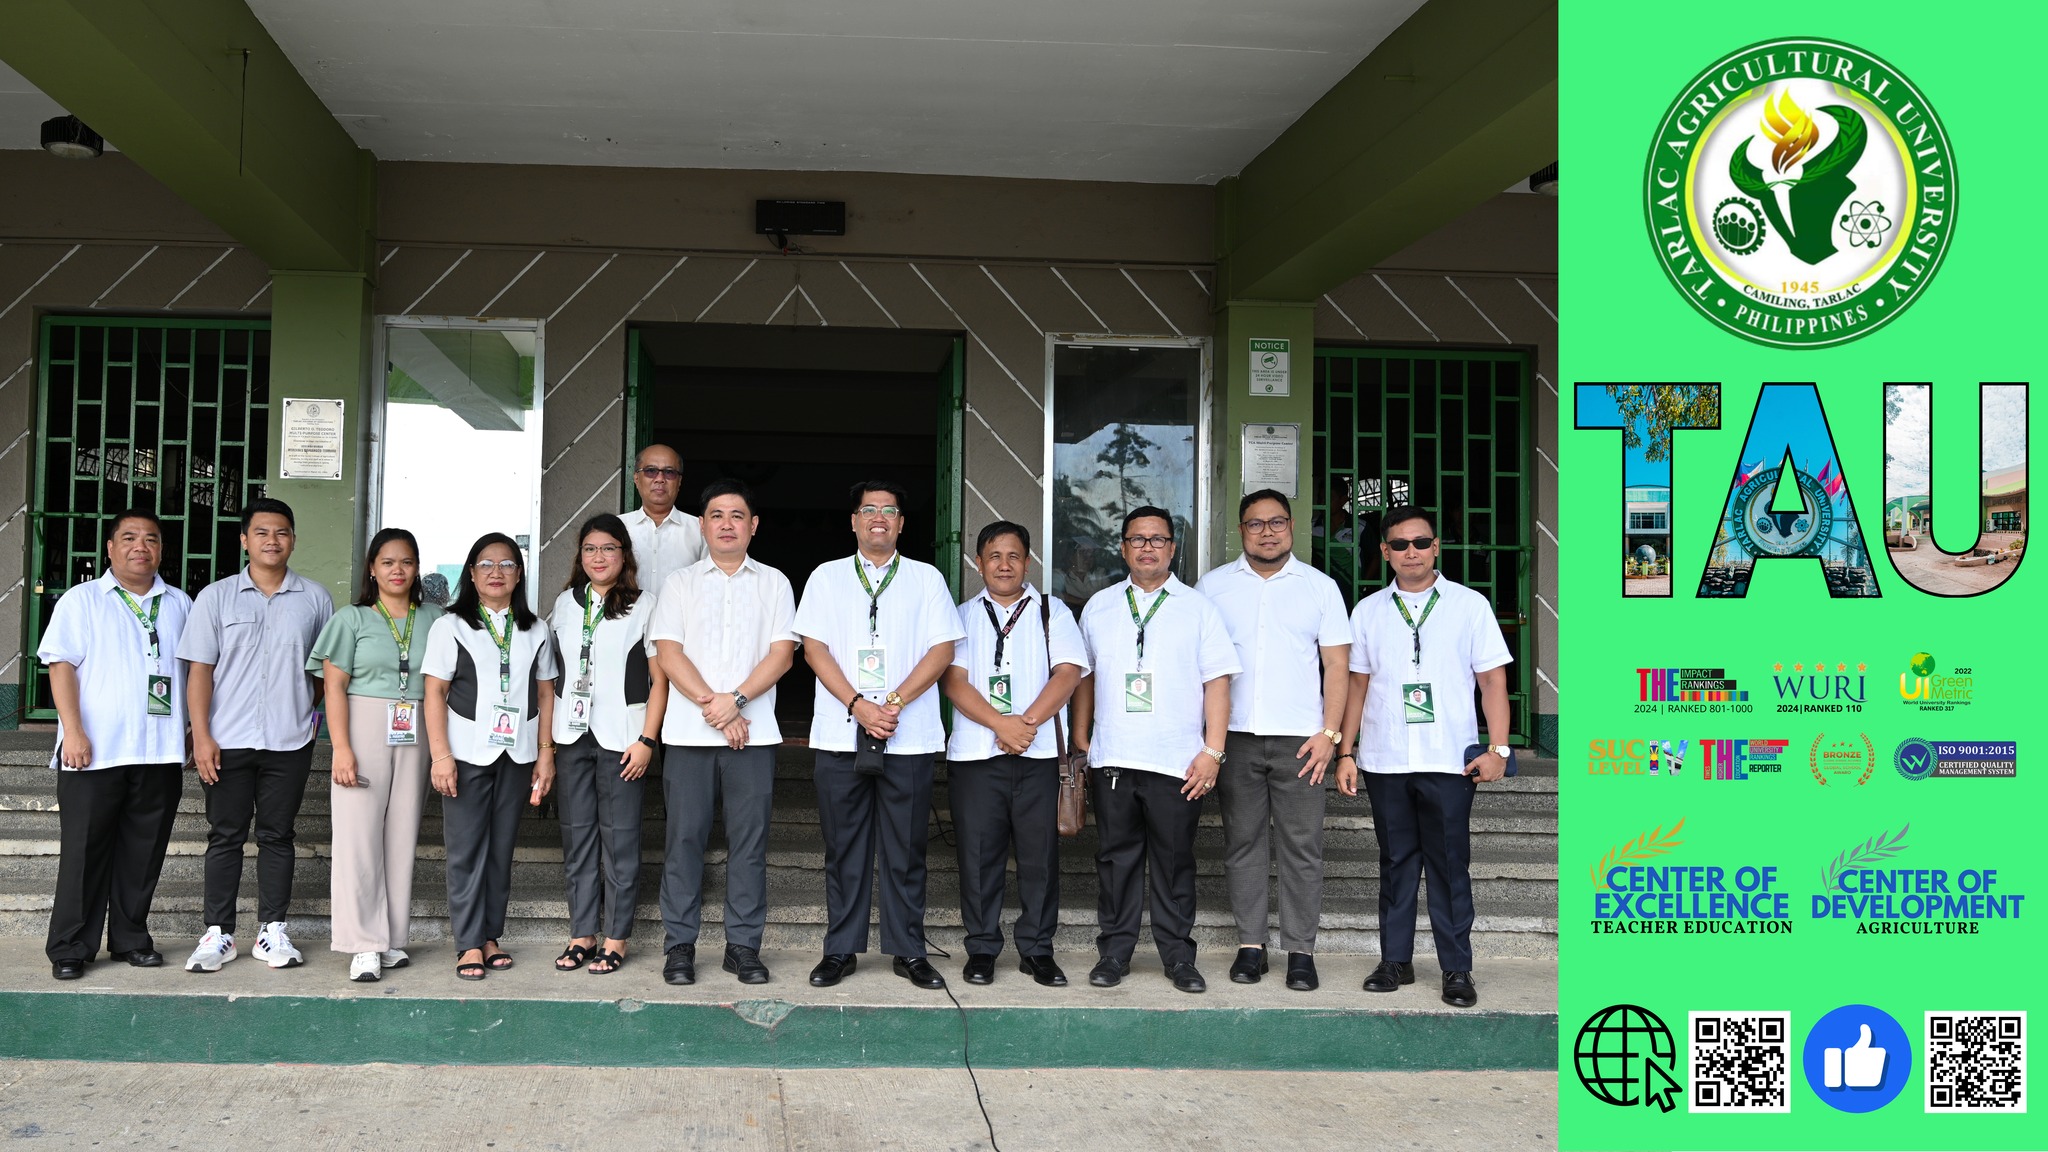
<point x="341" y="263"/>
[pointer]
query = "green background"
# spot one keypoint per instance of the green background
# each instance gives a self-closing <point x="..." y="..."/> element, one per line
<point x="1979" y="320"/>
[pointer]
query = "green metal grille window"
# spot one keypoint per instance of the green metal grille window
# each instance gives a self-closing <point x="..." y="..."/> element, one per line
<point x="1454" y="432"/>
<point x="169" y="415"/>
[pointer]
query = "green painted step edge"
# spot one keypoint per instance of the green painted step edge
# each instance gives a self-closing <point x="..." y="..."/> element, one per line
<point x="754" y="1034"/>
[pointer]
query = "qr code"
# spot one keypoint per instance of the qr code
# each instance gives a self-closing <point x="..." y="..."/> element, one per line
<point x="1976" y="1062"/>
<point x="1738" y="1062"/>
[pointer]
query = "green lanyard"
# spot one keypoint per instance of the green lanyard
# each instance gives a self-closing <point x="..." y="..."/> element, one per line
<point x="504" y="644"/>
<point x="593" y="608"/>
<point x="1131" y="594"/>
<point x="1414" y="625"/>
<point x="148" y="623"/>
<point x="404" y="642"/>
<point x="860" y="569"/>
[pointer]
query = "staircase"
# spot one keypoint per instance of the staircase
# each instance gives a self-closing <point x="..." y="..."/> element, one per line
<point x="1514" y="869"/>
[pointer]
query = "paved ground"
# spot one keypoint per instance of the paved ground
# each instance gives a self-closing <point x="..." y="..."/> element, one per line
<point x="1932" y="571"/>
<point x="390" y="1107"/>
<point x="1647" y="586"/>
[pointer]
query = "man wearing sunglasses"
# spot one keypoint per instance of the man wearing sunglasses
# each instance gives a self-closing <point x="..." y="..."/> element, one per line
<point x="1418" y="649"/>
<point x="663" y="543"/>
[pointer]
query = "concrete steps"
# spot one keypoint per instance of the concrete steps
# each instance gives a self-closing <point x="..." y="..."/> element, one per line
<point x="1514" y="867"/>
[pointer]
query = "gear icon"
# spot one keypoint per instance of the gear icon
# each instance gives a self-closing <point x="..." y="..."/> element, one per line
<point x="1739" y="226"/>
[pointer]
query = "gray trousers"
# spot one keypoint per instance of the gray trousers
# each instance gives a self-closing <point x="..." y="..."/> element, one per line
<point x="480" y="823"/>
<point x="1264" y="801"/>
<point x="693" y="780"/>
<point x="600" y="815"/>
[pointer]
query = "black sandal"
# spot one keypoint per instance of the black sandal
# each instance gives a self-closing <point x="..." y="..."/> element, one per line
<point x="499" y="962"/>
<point x="472" y="970"/>
<point x="611" y="961"/>
<point x="576" y="954"/>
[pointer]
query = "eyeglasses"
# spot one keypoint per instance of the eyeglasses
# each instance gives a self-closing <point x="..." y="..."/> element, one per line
<point x="486" y="567"/>
<point x="1143" y="542"/>
<point x="1421" y="544"/>
<point x="605" y="550"/>
<point x="1255" y="527"/>
<point x="662" y="473"/>
<point x="887" y="510"/>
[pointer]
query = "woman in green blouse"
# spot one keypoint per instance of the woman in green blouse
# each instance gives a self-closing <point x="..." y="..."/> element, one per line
<point x="369" y="656"/>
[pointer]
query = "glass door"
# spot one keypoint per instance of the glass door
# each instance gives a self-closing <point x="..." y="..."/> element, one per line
<point x="457" y="440"/>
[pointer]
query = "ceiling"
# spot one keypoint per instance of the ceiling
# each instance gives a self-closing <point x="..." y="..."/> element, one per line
<point x="1173" y="91"/>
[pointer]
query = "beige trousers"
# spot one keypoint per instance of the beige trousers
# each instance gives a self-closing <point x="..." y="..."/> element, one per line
<point x="376" y="829"/>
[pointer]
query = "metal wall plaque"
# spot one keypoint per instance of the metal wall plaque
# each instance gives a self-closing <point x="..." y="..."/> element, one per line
<point x="312" y="446"/>
<point x="1271" y="458"/>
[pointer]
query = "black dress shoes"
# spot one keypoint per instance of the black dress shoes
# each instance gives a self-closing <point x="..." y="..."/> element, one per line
<point x="1301" y="972"/>
<point x="1389" y="976"/>
<point x="836" y="966"/>
<point x="1249" y="966"/>
<point x="1043" y="970"/>
<point x="140" y="957"/>
<point x="67" y="969"/>
<point x="1109" y="972"/>
<point x="919" y="971"/>
<point x="1458" y="990"/>
<point x="681" y="965"/>
<point x="745" y="963"/>
<point x="1186" y="978"/>
<point x="979" y="970"/>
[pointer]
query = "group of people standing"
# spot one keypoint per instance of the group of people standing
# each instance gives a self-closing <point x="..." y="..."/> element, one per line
<point x="667" y="640"/>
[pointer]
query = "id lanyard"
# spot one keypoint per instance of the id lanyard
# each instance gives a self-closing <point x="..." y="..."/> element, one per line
<point x="1131" y="595"/>
<point x="1414" y="625"/>
<point x="504" y="644"/>
<point x="593" y="608"/>
<point x="1003" y="630"/>
<point x="148" y="623"/>
<point x="404" y="642"/>
<point x="860" y="569"/>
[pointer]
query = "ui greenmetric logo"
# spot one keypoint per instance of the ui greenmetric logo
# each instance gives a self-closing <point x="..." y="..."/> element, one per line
<point x="1800" y="193"/>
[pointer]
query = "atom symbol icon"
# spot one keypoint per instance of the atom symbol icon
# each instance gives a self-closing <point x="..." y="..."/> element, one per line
<point x="1865" y="224"/>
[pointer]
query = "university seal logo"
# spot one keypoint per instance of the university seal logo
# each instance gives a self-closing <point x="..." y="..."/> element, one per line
<point x="1800" y="193"/>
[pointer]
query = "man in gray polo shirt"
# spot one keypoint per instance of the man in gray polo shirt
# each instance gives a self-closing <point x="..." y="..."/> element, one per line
<point x="251" y="703"/>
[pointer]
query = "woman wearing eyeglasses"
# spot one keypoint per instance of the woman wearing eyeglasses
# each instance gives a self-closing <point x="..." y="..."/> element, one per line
<point x="607" y="727"/>
<point x="368" y="658"/>
<point x="490" y="698"/>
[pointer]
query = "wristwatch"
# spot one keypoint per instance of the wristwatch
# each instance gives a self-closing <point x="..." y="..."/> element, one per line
<point x="895" y="698"/>
<point x="651" y="742"/>
<point x="739" y="700"/>
<point x="1500" y="750"/>
<point x="1213" y="754"/>
<point x="1335" y="736"/>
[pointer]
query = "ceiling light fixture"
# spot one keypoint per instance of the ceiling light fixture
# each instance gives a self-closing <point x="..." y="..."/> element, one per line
<point x="67" y="138"/>
<point x="1545" y="181"/>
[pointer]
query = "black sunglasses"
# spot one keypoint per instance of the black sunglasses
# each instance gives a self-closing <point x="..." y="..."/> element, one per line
<point x="1421" y="544"/>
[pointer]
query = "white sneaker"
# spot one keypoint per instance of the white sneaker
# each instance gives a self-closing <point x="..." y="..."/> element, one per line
<point x="215" y="949"/>
<point x="274" y="948"/>
<point x="396" y="958"/>
<point x="365" y="968"/>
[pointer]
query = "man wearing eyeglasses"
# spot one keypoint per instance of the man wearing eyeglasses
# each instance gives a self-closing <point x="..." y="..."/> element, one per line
<point x="878" y="629"/>
<point x="1288" y="623"/>
<point x="1152" y="717"/>
<point x="663" y="542"/>
<point x="1418" y="648"/>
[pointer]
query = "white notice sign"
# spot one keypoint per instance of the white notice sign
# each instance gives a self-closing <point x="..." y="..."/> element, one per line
<point x="1269" y="368"/>
<point x="312" y="440"/>
<point x="1271" y="456"/>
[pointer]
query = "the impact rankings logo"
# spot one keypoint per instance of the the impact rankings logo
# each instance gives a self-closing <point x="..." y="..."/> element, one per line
<point x="1799" y="195"/>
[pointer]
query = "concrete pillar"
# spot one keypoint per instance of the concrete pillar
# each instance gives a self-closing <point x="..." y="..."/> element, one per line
<point x="1238" y="324"/>
<point x="320" y="338"/>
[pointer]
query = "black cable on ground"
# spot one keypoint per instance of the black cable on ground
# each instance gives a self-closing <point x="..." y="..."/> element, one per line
<point x="967" y="1058"/>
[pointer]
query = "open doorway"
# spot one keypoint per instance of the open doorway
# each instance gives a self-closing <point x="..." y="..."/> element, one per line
<point x="800" y="415"/>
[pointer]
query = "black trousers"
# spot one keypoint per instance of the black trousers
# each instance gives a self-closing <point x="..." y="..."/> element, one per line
<point x="858" y="815"/>
<point x="1145" y="824"/>
<point x="268" y="787"/>
<point x="999" y="804"/>
<point x="114" y="824"/>
<point x="1424" y="821"/>
<point x="480" y="823"/>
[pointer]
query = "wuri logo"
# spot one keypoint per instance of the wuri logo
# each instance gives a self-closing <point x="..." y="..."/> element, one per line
<point x="1820" y="687"/>
<point x="1800" y="193"/>
<point x="1920" y="688"/>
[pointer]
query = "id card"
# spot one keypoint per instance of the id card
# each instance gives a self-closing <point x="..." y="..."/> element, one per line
<point x="1418" y="703"/>
<point x="579" y="711"/>
<point x="999" y="692"/>
<point x="504" y="726"/>
<point x="1137" y="691"/>
<point x="870" y="669"/>
<point x="159" y="695"/>
<point x="401" y="723"/>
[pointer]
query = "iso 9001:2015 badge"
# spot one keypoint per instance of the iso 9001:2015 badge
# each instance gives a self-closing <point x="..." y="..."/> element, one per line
<point x="1800" y="193"/>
